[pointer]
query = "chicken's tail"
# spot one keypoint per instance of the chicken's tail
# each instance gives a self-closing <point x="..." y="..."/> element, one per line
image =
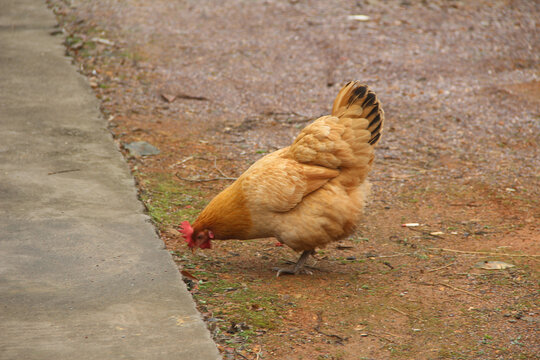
<point x="357" y="101"/>
<point x="344" y="140"/>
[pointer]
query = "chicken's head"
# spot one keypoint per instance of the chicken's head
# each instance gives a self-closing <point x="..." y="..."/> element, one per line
<point x="200" y="239"/>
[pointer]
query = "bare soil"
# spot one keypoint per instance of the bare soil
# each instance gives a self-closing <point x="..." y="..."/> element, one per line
<point x="216" y="85"/>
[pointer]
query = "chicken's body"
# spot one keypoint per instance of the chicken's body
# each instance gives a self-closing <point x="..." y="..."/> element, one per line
<point x="310" y="193"/>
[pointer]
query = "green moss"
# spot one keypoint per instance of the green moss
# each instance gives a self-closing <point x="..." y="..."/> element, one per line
<point x="239" y="303"/>
<point x="72" y="40"/>
<point x="131" y="55"/>
<point x="446" y="353"/>
<point x="168" y="201"/>
<point x="399" y="350"/>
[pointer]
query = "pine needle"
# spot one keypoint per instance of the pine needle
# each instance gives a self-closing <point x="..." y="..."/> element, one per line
<point x="482" y="252"/>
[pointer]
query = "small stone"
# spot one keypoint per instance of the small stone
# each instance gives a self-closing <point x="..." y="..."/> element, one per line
<point x="530" y="319"/>
<point x="358" y="17"/>
<point x="141" y="148"/>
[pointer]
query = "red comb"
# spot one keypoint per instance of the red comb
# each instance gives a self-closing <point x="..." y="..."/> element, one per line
<point x="187" y="231"/>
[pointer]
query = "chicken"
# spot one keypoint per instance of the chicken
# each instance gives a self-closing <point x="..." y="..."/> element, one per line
<point x="306" y="195"/>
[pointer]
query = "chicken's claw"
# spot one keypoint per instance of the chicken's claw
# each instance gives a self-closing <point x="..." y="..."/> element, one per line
<point x="298" y="267"/>
<point x="292" y="271"/>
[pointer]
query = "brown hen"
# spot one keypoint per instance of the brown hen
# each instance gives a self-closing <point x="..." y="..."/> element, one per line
<point x="308" y="194"/>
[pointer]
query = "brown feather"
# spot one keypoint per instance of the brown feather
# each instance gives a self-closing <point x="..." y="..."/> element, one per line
<point x="312" y="192"/>
<point x="226" y="215"/>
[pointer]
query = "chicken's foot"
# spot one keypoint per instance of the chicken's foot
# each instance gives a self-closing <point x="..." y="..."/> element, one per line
<point x="299" y="266"/>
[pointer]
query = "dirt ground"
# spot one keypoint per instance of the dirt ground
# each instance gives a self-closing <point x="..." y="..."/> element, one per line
<point x="216" y="85"/>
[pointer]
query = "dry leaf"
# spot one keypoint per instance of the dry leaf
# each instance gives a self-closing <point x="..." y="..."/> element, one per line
<point x="256" y="307"/>
<point x="186" y="273"/>
<point x="493" y="265"/>
<point x="168" y="97"/>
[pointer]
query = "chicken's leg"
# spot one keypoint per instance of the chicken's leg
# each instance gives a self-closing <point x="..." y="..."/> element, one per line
<point x="298" y="266"/>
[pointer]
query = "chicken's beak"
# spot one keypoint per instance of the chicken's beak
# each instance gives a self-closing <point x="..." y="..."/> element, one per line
<point x="195" y="245"/>
<point x="198" y="243"/>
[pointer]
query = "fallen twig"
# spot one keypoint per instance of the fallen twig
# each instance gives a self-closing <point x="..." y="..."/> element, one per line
<point x="425" y="232"/>
<point x="482" y="274"/>
<point x="190" y="97"/>
<point x="467" y="204"/>
<point x="317" y="328"/>
<point x="442" y="267"/>
<point x="463" y="291"/>
<point x="237" y="353"/>
<point x="399" y="311"/>
<point x="205" y="180"/>
<point x="389" y="256"/>
<point x="63" y="171"/>
<point x="170" y="97"/>
<point x="481" y="252"/>
<point x="381" y="337"/>
<point x="222" y="177"/>
<point x="451" y="287"/>
<point x="219" y="170"/>
<point x="403" y="313"/>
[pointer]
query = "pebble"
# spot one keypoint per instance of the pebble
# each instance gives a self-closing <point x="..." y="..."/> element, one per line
<point x="141" y="148"/>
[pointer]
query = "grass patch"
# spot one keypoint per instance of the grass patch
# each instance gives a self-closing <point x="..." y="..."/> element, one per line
<point x="244" y="311"/>
<point x="240" y="303"/>
<point x="168" y="201"/>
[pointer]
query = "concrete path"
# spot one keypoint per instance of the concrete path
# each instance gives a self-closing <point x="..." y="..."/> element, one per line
<point x="82" y="273"/>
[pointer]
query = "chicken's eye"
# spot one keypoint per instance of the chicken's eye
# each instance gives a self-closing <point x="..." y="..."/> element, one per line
<point x="200" y="236"/>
